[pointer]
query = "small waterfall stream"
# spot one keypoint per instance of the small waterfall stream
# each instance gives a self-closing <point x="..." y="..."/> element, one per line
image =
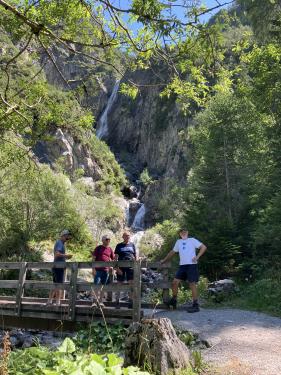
<point x="138" y="224"/>
<point x="102" y="130"/>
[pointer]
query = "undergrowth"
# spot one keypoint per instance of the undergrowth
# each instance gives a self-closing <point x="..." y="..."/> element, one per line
<point x="97" y="339"/>
<point x="66" y="360"/>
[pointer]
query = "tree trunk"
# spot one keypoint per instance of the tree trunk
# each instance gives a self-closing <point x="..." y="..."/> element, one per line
<point x="153" y="345"/>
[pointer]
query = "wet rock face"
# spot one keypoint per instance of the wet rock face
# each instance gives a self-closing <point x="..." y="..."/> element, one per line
<point x="144" y="133"/>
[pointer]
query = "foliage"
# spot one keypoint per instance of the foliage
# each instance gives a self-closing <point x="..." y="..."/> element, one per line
<point x="145" y="178"/>
<point x="262" y="294"/>
<point x="66" y="360"/>
<point x="112" y="175"/>
<point x="30" y="203"/>
<point x="265" y="17"/>
<point x="184" y="293"/>
<point x="101" y="339"/>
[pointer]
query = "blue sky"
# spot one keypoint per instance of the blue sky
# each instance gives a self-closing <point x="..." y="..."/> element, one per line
<point x="177" y="10"/>
<point x="208" y="3"/>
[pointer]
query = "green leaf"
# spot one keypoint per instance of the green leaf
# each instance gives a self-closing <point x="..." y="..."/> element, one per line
<point x="67" y="346"/>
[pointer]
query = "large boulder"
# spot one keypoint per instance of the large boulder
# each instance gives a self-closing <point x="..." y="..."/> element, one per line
<point x="153" y="344"/>
<point x="223" y="287"/>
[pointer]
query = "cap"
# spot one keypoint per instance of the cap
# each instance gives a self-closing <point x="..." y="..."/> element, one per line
<point x="105" y="237"/>
<point x="65" y="232"/>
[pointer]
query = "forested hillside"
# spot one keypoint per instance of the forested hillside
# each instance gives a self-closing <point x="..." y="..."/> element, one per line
<point x="196" y="120"/>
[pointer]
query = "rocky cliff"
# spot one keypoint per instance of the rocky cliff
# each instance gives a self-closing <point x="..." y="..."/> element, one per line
<point x="143" y="133"/>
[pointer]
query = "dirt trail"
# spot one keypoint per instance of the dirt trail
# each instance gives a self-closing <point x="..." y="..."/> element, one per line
<point x="243" y="342"/>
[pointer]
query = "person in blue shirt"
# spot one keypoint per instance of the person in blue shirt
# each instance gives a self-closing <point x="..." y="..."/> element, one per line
<point x="125" y="250"/>
<point x="58" y="273"/>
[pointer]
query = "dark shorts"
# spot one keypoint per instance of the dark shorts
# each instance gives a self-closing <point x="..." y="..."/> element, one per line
<point x="58" y="275"/>
<point x="127" y="274"/>
<point x="101" y="277"/>
<point x="188" y="272"/>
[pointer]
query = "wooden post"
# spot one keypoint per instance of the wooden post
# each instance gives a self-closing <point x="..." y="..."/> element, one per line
<point x="137" y="291"/>
<point x="166" y="294"/>
<point x="72" y="291"/>
<point x="20" y="290"/>
<point x="109" y="294"/>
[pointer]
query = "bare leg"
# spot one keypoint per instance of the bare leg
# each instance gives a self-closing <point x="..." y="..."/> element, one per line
<point x="175" y="287"/>
<point x="194" y="291"/>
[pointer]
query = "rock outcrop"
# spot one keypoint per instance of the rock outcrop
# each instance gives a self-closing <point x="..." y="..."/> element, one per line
<point x="71" y="153"/>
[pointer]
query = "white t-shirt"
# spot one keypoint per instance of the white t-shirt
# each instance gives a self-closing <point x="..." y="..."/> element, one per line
<point x="187" y="249"/>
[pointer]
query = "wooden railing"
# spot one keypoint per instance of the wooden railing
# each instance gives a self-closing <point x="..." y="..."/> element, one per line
<point x="72" y="308"/>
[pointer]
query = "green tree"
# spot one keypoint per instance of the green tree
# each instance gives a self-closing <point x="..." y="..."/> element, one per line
<point x="228" y="151"/>
<point x="34" y="205"/>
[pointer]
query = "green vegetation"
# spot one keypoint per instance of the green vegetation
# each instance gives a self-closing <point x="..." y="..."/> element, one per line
<point x="30" y="203"/>
<point x="261" y="295"/>
<point x="66" y="360"/>
<point x="100" y="338"/>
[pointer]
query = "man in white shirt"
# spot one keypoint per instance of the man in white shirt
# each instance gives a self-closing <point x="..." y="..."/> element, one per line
<point x="188" y="270"/>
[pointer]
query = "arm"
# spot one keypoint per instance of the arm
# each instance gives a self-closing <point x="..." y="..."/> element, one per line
<point x="60" y="255"/>
<point x="168" y="256"/>
<point x="136" y="254"/>
<point x="202" y="250"/>
<point x="94" y="257"/>
<point x="93" y="269"/>
<point x="119" y="272"/>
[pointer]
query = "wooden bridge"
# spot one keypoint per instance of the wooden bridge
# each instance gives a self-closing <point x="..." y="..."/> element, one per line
<point x="23" y="299"/>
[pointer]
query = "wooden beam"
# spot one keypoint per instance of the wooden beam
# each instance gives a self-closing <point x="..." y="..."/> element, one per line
<point x="158" y="284"/>
<point x="35" y="284"/>
<point x="10" y="265"/>
<point x="9" y="284"/>
<point x="72" y="292"/>
<point x="137" y="291"/>
<point x="20" y="291"/>
<point x="83" y="286"/>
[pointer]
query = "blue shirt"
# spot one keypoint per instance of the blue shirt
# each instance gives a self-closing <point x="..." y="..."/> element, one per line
<point x="126" y="251"/>
<point x="59" y="247"/>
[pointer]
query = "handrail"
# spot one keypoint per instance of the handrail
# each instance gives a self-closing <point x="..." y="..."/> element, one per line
<point x="74" y="285"/>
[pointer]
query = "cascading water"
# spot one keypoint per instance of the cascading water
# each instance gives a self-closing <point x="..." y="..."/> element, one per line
<point x="138" y="227"/>
<point x="138" y="223"/>
<point x="102" y="130"/>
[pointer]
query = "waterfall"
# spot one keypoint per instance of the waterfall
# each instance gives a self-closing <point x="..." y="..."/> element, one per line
<point x="102" y="130"/>
<point x="138" y="223"/>
<point x="136" y="239"/>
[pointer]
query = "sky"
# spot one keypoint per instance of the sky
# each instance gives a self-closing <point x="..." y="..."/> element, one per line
<point x="125" y="4"/>
<point x="208" y="3"/>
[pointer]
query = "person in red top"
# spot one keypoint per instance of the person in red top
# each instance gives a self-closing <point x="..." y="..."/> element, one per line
<point x="102" y="253"/>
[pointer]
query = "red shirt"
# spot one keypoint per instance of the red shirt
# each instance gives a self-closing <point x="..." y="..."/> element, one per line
<point x="103" y="254"/>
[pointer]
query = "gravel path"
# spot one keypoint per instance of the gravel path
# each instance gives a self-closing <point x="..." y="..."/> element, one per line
<point x="242" y="342"/>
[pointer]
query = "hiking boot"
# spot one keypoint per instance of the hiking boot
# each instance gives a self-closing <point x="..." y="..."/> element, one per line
<point x="193" y="308"/>
<point x="172" y="302"/>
